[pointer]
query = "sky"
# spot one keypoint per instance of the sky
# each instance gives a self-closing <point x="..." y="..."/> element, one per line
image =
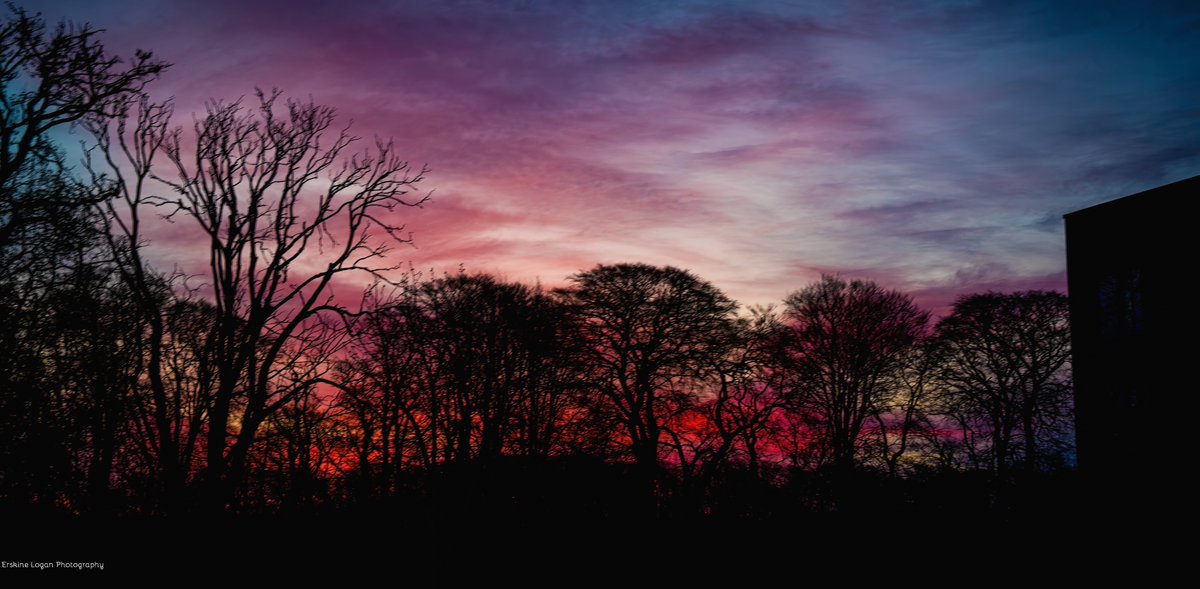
<point x="929" y="146"/>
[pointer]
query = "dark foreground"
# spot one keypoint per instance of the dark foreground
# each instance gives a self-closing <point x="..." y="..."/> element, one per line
<point x="437" y="543"/>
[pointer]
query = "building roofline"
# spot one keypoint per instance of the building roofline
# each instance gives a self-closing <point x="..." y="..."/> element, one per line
<point x="1137" y="196"/>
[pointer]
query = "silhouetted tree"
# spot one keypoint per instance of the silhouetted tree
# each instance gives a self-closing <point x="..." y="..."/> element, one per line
<point x="294" y="461"/>
<point x="285" y="209"/>
<point x="265" y="188"/>
<point x="49" y="81"/>
<point x="69" y="371"/>
<point x="127" y="142"/>
<point x="178" y="380"/>
<point x="1003" y="365"/>
<point x="458" y="369"/>
<point x="747" y="392"/>
<point x="381" y="382"/>
<point x="551" y="414"/>
<point x="902" y="421"/>
<point x="67" y="358"/>
<point x="847" y="344"/>
<point x="480" y="326"/>
<point x="650" y="337"/>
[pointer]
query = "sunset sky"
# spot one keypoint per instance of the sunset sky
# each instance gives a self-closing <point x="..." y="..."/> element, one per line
<point x="930" y="146"/>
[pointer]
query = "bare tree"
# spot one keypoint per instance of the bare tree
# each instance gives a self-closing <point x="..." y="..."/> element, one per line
<point x="847" y="341"/>
<point x="650" y="336"/>
<point x="478" y="322"/>
<point x="1003" y="364"/>
<point x="48" y="81"/>
<point x="67" y="355"/>
<point x="500" y="357"/>
<point x="127" y="143"/>
<point x="461" y="368"/>
<point x="381" y="388"/>
<point x="902" y="421"/>
<point x="276" y="195"/>
<point x="296" y="457"/>
<point x="286" y="209"/>
<point x="748" y="392"/>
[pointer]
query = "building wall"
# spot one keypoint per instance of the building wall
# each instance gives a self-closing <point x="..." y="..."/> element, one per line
<point x="1129" y="262"/>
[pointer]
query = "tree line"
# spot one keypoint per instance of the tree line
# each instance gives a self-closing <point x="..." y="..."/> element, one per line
<point x="271" y="381"/>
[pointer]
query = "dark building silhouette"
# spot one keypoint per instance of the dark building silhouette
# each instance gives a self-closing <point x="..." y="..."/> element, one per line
<point x="1127" y="276"/>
